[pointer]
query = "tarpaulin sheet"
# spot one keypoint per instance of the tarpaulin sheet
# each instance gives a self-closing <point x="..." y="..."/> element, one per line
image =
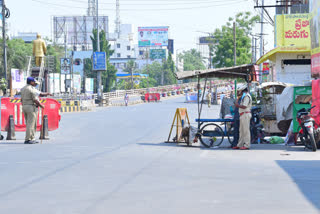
<point x="284" y="107"/>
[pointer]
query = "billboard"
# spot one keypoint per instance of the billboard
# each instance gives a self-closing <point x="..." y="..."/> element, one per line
<point x="205" y="40"/>
<point x="293" y="31"/>
<point x="78" y="29"/>
<point x="153" y="36"/>
<point x="315" y="46"/>
<point x="157" y="53"/>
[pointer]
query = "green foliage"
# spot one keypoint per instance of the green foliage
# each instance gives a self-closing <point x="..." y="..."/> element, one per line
<point x="87" y="65"/>
<point x="156" y="70"/>
<point x="144" y="82"/>
<point x="131" y="69"/>
<point x="192" y="60"/>
<point x="18" y="52"/>
<point x="3" y="84"/>
<point x="57" y="52"/>
<point x="169" y="71"/>
<point x="223" y="45"/>
<point x="109" y="76"/>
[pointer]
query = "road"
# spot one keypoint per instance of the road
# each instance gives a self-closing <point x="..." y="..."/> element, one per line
<point x="113" y="160"/>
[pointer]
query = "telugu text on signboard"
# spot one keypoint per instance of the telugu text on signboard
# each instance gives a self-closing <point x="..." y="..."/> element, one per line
<point x="293" y="31"/>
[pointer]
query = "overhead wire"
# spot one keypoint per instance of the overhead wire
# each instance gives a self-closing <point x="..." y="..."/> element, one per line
<point x="146" y="9"/>
<point x="155" y="3"/>
<point x="266" y="15"/>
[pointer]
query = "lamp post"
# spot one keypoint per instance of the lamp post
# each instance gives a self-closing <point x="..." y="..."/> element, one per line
<point x="98" y="50"/>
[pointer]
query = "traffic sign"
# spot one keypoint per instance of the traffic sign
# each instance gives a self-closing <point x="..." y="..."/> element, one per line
<point x="99" y="61"/>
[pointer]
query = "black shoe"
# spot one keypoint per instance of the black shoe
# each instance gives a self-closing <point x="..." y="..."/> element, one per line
<point x="30" y="142"/>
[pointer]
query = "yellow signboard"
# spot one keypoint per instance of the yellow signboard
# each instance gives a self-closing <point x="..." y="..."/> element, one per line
<point x="314" y="8"/>
<point x="293" y="31"/>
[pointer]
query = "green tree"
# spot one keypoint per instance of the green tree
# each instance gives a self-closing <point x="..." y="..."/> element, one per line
<point x="154" y="71"/>
<point x="223" y="45"/>
<point x="109" y="76"/>
<point x="131" y="68"/>
<point x="144" y="82"/>
<point x="57" y="52"/>
<point x="192" y="60"/>
<point x="169" y="71"/>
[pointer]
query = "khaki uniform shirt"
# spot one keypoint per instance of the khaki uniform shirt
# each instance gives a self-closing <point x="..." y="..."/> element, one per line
<point x="39" y="48"/>
<point x="246" y="101"/>
<point x="29" y="94"/>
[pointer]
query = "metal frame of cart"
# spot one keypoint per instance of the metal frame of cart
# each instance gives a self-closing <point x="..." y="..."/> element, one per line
<point x="247" y="72"/>
<point x="212" y="134"/>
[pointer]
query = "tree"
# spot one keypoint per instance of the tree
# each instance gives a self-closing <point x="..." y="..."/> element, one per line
<point x="109" y="76"/>
<point x="57" y="52"/>
<point x="154" y="71"/>
<point x="131" y="68"/>
<point x="192" y="60"/>
<point x="168" y="74"/>
<point x="223" y="45"/>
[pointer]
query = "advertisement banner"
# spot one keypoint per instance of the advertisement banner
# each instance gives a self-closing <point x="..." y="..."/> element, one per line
<point x="157" y="53"/>
<point x="77" y="83"/>
<point x="89" y="85"/>
<point x="54" y="83"/>
<point x="65" y="65"/>
<point x="293" y="31"/>
<point x="266" y="68"/>
<point x="314" y="6"/>
<point x="153" y="36"/>
<point x="18" y="79"/>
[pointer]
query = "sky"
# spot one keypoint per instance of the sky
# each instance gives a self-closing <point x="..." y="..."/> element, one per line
<point x="187" y="19"/>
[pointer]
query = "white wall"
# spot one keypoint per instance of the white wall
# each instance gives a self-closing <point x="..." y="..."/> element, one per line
<point x="294" y="74"/>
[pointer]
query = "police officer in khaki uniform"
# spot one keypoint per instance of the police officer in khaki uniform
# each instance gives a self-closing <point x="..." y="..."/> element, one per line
<point x="30" y="103"/>
<point x="245" y="117"/>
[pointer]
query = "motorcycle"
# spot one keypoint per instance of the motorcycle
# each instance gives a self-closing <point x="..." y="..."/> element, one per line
<point x="309" y="133"/>
<point x="256" y="128"/>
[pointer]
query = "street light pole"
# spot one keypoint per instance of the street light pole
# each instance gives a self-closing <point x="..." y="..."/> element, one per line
<point x="98" y="50"/>
<point x="4" y="38"/>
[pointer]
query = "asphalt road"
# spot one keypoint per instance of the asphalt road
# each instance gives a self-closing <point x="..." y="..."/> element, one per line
<point x="113" y="160"/>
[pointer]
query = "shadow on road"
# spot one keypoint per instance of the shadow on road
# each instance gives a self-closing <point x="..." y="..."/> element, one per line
<point x="226" y="146"/>
<point x="306" y="175"/>
<point x="182" y="145"/>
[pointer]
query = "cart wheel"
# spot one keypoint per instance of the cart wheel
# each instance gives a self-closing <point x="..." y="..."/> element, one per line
<point x="230" y="134"/>
<point x="211" y="135"/>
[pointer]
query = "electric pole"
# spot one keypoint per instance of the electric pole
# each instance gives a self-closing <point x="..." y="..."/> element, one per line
<point x="261" y="43"/>
<point x="234" y="44"/>
<point x="98" y="50"/>
<point x="4" y="38"/>
<point x="65" y="55"/>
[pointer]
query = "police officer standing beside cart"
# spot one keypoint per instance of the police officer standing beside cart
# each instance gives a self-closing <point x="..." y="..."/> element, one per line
<point x="30" y="103"/>
<point x="245" y="116"/>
